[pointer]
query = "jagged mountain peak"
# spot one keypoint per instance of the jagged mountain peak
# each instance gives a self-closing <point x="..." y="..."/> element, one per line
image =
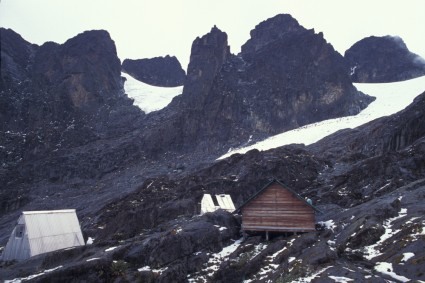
<point x="215" y="40"/>
<point x="271" y="30"/>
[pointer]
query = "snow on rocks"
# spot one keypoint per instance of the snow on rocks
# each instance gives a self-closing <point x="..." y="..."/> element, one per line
<point x="214" y="262"/>
<point x="372" y="251"/>
<point x="19" y="280"/>
<point x="340" y="279"/>
<point x="407" y="256"/>
<point x="330" y="224"/>
<point x="390" y="98"/>
<point x="387" y="268"/>
<point x="148" y="268"/>
<point x="90" y="241"/>
<point x="221" y="228"/>
<point x="111" y="249"/>
<point x="311" y="277"/>
<point x="147" y="97"/>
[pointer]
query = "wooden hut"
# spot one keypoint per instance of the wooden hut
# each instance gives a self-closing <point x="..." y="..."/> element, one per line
<point x="277" y="208"/>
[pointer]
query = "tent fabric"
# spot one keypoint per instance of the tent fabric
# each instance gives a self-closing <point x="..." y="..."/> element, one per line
<point x="224" y="202"/>
<point x="43" y="231"/>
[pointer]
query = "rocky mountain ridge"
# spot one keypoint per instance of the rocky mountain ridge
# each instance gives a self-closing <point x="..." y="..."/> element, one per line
<point x="383" y="59"/>
<point x="159" y="71"/>
<point x="283" y="82"/>
<point x="56" y="99"/>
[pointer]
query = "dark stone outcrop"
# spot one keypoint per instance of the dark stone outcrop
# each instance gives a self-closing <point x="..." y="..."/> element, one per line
<point x="384" y="135"/>
<point x="58" y="90"/>
<point x="16" y="57"/>
<point x="285" y="77"/>
<point x="383" y="59"/>
<point x="159" y="71"/>
<point x="54" y="98"/>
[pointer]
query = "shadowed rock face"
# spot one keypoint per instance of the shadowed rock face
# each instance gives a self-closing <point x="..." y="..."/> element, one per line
<point x="85" y="69"/>
<point x="383" y="59"/>
<point x="57" y="97"/>
<point x="16" y="57"/>
<point x="285" y="77"/>
<point x="80" y="77"/>
<point x="159" y="71"/>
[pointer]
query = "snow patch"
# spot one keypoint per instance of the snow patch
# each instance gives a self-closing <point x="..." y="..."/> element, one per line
<point x="90" y="241"/>
<point x="330" y="224"/>
<point x="94" y="258"/>
<point x="147" y="97"/>
<point x="221" y="228"/>
<point x="111" y="249"/>
<point x="390" y="98"/>
<point x="339" y="279"/>
<point x="215" y="260"/>
<point x="19" y="280"/>
<point x="144" y="268"/>
<point x="148" y="268"/>
<point x="311" y="277"/>
<point x="273" y="256"/>
<point x="407" y="256"/>
<point x="387" y="268"/>
<point x="373" y="250"/>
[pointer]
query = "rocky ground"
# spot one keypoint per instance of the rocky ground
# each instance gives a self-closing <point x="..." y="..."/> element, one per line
<point x="372" y="220"/>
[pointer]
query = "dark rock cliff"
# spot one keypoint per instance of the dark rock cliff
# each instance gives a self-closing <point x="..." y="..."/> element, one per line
<point x="285" y="77"/>
<point x="383" y="59"/>
<point x="159" y="71"/>
<point x="53" y="90"/>
<point x="54" y="98"/>
<point x="386" y="134"/>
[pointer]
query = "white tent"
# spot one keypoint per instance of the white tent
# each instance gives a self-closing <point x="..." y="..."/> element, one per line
<point x="223" y="202"/>
<point x="207" y="204"/>
<point x="39" y="232"/>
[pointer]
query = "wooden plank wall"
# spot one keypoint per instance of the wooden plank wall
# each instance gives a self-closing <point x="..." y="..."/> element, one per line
<point x="277" y="209"/>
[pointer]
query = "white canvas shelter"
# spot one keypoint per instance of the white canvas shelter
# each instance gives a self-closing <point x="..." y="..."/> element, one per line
<point x="224" y="202"/>
<point x="39" y="232"/>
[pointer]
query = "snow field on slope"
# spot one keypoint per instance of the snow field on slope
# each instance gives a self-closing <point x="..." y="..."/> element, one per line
<point x="390" y="98"/>
<point x="147" y="97"/>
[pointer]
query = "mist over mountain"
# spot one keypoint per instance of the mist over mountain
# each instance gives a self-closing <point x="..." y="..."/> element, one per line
<point x="70" y="137"/>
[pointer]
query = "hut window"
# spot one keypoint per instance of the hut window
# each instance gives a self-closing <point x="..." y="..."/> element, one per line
<point x="20" y="228"/>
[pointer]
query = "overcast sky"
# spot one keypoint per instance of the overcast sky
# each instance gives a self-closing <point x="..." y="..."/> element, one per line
<point x="145" y="29"/>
